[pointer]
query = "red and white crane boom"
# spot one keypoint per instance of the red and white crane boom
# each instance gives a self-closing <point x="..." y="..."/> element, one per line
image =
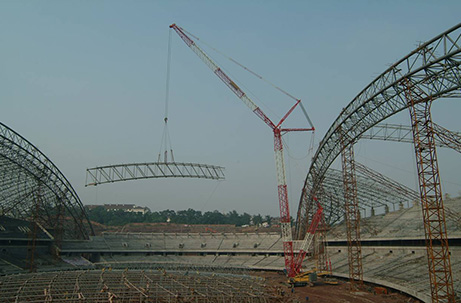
<point x="307" y="242"/>
<point x="292" y="265"/>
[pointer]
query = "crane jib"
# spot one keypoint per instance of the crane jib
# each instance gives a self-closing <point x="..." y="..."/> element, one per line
<point x="225" y="78"/>
<point x="292" y="266"/>
<point x="183" y="36"/>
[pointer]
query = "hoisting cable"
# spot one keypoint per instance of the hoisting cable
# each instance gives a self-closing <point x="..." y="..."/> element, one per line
<point x="254" y="74"/>
<point x="166" y="141"/>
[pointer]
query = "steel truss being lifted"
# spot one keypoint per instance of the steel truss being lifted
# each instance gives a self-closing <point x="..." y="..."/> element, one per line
<point x="135" y="171"/>
<point x="434" y="68"/>
<point x="168" y="168"/>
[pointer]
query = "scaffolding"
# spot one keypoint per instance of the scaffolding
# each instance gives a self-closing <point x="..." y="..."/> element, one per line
<point x="438" y="252"/>
<point x="135" y="286"/>
<point x="352" y="213"/>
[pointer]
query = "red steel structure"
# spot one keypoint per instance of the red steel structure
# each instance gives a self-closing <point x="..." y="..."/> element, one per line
<point x="308" y="239"/>
<point x="291" y="263"/>
<point x="438" y="254"/>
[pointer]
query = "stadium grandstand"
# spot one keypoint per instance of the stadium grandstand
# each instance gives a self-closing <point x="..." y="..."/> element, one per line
<point x="50" y="253"/>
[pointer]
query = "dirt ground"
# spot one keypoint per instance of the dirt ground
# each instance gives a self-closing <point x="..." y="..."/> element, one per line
<point x="324" y="293"/>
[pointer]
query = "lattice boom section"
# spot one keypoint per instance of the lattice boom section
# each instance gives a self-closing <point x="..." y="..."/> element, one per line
<point x="134" y="286"/>
<point x="125" y="172"/>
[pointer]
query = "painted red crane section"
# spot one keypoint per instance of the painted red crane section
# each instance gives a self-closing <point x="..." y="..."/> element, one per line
<point x="307" y="242"/>
<point x="291" y="265"/>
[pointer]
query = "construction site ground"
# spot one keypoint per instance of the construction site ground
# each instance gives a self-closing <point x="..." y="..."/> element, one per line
<point x="325" y="293"/>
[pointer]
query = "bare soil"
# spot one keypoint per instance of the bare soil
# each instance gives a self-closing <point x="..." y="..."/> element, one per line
<point x="325" y="293"/>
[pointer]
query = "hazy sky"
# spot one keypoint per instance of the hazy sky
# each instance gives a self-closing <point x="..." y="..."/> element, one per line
<point x="84" y="81"/>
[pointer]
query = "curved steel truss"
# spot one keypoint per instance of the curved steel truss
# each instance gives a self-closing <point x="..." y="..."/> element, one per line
<point x="135" y="171"/>
<point x="374" y="190"/>
<point x="32" y="187"/>
<point x="434" y="67"/>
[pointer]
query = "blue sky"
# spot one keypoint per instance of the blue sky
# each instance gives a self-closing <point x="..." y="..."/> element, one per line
<point x="85" y="82"/>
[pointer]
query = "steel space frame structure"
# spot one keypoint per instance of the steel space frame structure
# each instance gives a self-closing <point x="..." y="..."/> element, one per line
<point x="32" y="187"/>
<point x="432" y="68"/>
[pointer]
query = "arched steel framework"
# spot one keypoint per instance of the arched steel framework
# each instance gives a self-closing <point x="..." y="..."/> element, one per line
<point x="374" y="190"/>
<point x="31" y="186"/>
<point x="434" y="67"/>
<point x="430" y="72"/>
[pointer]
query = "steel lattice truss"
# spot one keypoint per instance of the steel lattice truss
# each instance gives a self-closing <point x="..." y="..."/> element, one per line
<point x="374" y="190"/>
<point x="134" y="286"/>
<point x="135" y="171"/>
<point x="31" y="186"/>
<point x="434" y="67"/>
<point x="402" y="133"/>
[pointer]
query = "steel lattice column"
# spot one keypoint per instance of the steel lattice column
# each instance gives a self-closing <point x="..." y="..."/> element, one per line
<point x="431" y="194"/>
<point x="352" y="213"/>
<point x="32" y="243"/>
<point x="323" y="261"/>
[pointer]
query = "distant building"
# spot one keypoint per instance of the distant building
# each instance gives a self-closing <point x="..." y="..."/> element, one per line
<point x="131" y="208"/>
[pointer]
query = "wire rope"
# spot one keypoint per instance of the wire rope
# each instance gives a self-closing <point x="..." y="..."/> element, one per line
<point x="165" y="142"/>
<point x="254" y="74"/>
<point x="211" y="195"/>
<point x="242" y="66"/>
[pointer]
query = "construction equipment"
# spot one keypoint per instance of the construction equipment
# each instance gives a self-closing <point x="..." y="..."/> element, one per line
<point x="310" y="277"/>
<point x="292" y="264"/>
<point x="307" y="242"/>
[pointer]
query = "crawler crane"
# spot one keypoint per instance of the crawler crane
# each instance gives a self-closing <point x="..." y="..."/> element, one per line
<point x="292" y="262"/>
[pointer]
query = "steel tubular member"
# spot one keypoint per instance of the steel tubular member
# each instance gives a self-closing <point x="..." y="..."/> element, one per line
<point x="438" y="254"/>
<point x="352" y="213"/>
<point x="402" y="133"/>
<point x="135" y="286"/>
<point x="135" y="171"/>
<point x="285" y="219"/>
<point x="25" y="169"/>
<point x="434" y="67"/>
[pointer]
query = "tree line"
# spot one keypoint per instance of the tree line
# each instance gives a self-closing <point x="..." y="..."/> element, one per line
<point x="119" y="217"/>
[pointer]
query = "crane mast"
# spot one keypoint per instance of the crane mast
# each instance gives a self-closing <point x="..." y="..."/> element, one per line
<point x="292" y="265"/>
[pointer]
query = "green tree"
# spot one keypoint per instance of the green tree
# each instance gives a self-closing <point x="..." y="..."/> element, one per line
<point x="257" y="220"/>
<point x="268" y="219"/>
<point x="214" y="217"/>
